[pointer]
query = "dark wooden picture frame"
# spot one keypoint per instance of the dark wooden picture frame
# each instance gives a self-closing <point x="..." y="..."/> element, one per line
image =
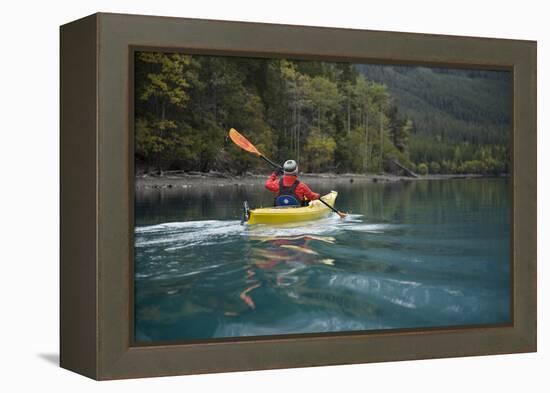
<point x="97" y="181"/>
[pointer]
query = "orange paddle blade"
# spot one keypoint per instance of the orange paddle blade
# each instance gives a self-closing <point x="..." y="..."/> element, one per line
<point x="242" y="142"/>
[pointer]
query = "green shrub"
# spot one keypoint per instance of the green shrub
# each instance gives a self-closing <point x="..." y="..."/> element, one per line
<point x="445" y="166"/>
<point x="435" y="167"/>
<point x="422" y="169"/>
<point x="473" y="166"/>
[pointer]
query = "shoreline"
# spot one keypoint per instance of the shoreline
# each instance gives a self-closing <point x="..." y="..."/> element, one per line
<point x="221" y="179"/>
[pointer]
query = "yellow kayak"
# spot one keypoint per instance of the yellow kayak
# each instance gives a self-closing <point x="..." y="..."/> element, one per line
<point x="284" y="215"/>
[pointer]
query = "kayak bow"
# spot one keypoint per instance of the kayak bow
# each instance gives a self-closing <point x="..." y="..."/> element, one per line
<point x="283" y="215"/>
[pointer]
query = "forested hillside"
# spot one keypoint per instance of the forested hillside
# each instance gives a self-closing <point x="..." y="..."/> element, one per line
<point x="329" y="116"/>
<point x="453" y="110"/>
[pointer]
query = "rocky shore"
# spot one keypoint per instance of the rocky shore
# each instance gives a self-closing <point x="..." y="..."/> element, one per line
<point x="196" y="179"/>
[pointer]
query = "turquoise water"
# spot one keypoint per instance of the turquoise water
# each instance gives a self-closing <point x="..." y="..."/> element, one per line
<point x="410" y="255"/>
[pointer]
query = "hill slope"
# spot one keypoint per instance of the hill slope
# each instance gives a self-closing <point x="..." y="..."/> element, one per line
<point x="455" y="105"/>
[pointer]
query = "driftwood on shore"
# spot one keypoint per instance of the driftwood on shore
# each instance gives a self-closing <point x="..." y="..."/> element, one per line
<point x="182" y="173"/>
<point x="176" y="179"/>
<point x="407" y="171"/>
<point x="176" y="172"/>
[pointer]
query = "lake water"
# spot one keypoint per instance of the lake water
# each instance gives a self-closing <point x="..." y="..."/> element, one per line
<point x="409" y="255"/>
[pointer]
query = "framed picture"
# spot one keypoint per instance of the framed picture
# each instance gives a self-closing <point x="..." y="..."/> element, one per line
<point x="242" y="196"/>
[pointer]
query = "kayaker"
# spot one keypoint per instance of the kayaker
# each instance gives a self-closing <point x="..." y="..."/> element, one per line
<point x="290" y="191"/>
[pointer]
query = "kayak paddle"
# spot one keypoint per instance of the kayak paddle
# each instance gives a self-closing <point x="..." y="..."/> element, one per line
<point x="341" y="214"/>
<point x="245" y="144"/>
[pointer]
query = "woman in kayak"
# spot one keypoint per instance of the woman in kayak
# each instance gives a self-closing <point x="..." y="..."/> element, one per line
<point x="290" y="191"/>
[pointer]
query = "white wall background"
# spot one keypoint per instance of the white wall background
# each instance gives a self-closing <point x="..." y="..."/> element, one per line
<point x="29" y="194"/>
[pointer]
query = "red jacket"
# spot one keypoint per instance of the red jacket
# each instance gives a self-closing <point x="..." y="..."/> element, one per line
<point x="302" y="190"/>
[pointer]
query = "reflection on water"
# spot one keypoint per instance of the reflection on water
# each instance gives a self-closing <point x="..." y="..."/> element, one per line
<point x="410" y="254"/>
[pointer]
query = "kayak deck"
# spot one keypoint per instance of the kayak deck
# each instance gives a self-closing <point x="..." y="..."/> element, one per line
<point x="282" y="215"/>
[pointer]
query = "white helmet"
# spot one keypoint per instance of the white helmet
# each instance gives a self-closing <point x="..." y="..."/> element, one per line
<point x="290" y="167"/>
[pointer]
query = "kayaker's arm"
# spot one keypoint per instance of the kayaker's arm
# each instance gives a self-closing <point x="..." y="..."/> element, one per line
<point x="306" y="192"/>
<point x="272" y="183"/>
